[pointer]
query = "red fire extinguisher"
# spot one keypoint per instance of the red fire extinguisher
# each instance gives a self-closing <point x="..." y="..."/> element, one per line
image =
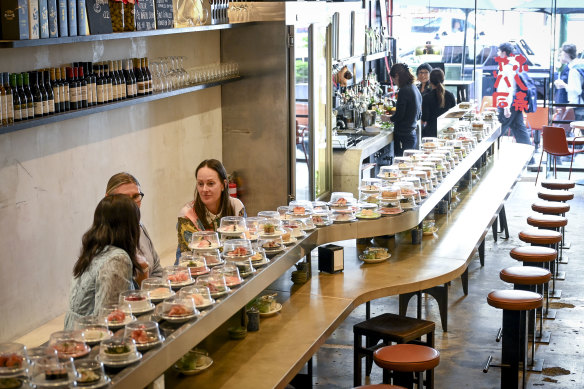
<point x="233" y="189"/>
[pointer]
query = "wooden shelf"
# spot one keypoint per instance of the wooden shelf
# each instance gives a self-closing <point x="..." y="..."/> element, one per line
<point x="109" y="106"/>
<point x="6" y="44"/>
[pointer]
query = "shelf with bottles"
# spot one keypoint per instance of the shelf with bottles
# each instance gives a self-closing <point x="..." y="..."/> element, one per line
<point x="5" y="44"/>
<point x="102" y="90"/>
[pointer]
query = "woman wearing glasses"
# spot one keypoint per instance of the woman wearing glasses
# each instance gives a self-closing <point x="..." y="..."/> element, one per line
<point x="211" y="202"/>
<point x="108" y="260"/>
<point x="423" y="75"/>
<point x="126" y="184"/>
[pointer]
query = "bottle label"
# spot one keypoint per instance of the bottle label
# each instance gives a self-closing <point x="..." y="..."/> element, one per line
<point x="100" y="96"/>
<point x="17" y="112"/>
<point x="141" y="88"/>
<point x="94" y="92"/>
<point x="52" y="106"/>
<point x="66" y="93"/>
<point x="30" y="110"/>
<point x="89" y="89"/>
<point x="123" y="90"/>
<point x="46" y="108"/>
<point x="38" y="108"/>
<point x="3" y="110"/>
<point x="57" y="94"/>
<point x="9" y="108"/>
<point x="115" y="92"/>
<point x="84" y="93"/>
<point x="73" y="95"/>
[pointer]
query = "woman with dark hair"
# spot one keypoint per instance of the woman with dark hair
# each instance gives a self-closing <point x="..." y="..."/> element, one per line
<point x="435" y="103"/>
<point x="211" y="203"/>
<point x="107" y="261"/>
<point x="408" y="109"/>
<point x="423" y="74"/>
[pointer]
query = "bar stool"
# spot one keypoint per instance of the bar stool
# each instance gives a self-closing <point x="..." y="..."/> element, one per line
<point x="404" y="361"/>
<point x="555" y="195"/>
<point x="553" y="208"/>
<point x="537" y="256"/>
<point x="544" y="238"/>
<point x="514" y="303"/>
<point x="529" y="278"/>
<point x="389" y="328"/>
<point x="550" y="222"/>
<point x="558" y="184"/>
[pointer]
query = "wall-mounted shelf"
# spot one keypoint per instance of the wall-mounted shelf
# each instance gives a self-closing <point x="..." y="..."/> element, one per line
<point x="373" y="57"/>
<point x="6" y="44"/>
<point x="364" y="58"/>
<point x="109" y="106"/>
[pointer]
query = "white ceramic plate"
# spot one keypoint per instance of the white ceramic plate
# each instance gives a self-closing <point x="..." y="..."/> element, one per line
<point x="178" y="285"/>
<point x="102" y="382"/>
<point x="144" y="310"/>
<point x="149" y="345"/>
<point x="178" y="319"/>
<point x="292" y="240"/>
<point x="375" y="215"/>
<point x="345" y="221"/>
<point x="374" y="260"/>
<point x="159" y="299"/>
<point x="272" y="312"/>
<point x="117" y="364"/>
<point x="115" y="326"/>
<point x="276" y="233"/>
<point x="206" y="364"/>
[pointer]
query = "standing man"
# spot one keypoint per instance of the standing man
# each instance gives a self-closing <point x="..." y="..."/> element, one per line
<point x="509" y="117"/>
<point x="569" y="84"/>
<point x="127" y="184"/>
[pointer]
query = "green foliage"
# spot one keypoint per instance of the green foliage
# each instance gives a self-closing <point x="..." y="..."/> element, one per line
<point x="301" y="72"/>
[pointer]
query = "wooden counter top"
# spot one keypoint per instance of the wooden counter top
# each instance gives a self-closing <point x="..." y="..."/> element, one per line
<point x="271" y="357"/>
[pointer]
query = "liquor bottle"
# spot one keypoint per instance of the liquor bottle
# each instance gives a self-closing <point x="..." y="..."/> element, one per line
<point x="25" y="99"/>
<point x="37" y="96"/>
<point x="17" y="103"/>
<point x="44" y="94"/>
<point x="130" y="80"/>
<point x="121" y="79"/>
<point x="139" y="77"/>
<point x="107" y="83"/>
<point x="82" y="82"/>
<point x="56" y="90"/>
<point x="148" y="76"/>
<point x="99" y="85"/>
<point x="66" y="91"/>
<point x="113" y="80"/>
<point x="9" y="99"/>
<point x="50" y="92"/>
<point x="3" y="108"/>
<point x="73" y="97"/>
<point x="90" y="86"/>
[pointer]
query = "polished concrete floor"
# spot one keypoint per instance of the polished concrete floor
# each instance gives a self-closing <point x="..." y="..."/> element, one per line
<point x="473" y="324"/>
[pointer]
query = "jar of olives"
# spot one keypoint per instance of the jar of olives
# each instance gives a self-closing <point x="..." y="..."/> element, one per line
<point x="129" y="20"/>
<point x="117" y="15"/>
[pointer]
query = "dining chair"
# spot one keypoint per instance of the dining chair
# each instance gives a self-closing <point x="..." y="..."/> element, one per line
<point x="535" y="121"/>
<point x="556" y="145"/>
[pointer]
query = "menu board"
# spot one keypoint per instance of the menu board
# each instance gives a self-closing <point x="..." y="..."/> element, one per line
<point x="164" y="14"/>
<point x="144" y="15"/>
<point x="98" y="15"/>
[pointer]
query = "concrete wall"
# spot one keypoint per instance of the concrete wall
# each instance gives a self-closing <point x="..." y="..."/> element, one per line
<point x="52" y="177"/>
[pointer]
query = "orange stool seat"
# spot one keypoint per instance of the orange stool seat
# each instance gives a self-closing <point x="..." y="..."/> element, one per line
<point x="407" y="357"/>
<point x="555" y="195"/>
<point x="558" y="184"/>
<point x="525" y="275"/>
<point x="540" y="237"/>
<point x="515" y="300"/>
<point x="534" y="254"/>
<point x="547" y="221"/>
<point x="550" y="207"/>
<point x="379" y="386"/>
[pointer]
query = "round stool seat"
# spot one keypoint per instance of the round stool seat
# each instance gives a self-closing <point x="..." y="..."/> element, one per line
<point x="550" y="207"/>
<point x="547" y="221"/>
<point x="558" y="184"/>
<point x="406" y="357"/>
<point x="555" y="195"/>
<point x="535" y="236"/>
<point x="379" y="386"/>
<point x="515" y="300"/>
<point x="533" y="254"/>
<point x="525" y="275"/>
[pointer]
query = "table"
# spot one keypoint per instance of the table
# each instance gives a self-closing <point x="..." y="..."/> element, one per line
<point x="311" y="312"/>
<point x="579" y="125"/>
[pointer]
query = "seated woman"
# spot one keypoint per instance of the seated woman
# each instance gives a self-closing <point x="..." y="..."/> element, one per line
<point x="435" y="104"/>
<point x="108" y="258"/>
<point x="211" y="203"/>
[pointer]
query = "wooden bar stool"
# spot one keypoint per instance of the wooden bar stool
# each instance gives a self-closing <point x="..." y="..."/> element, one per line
<point x="405" y="363"/>
<point x="558" y="184"/>
<point x="555" y="195"/>
<point x="389" y="328"/>
<point x="514" y="303"/>
<point x="547" y="238"/>
<point x="529" y="278"/>
<point x="537" y="256"/>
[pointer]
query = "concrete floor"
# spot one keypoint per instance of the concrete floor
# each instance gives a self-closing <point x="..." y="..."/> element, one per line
<point x="473" y="324"/>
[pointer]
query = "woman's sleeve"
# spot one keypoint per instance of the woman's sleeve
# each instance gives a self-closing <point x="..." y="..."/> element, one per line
<point x="450" y="100"/>
<point x="114" y="277"/>
<point x="400" y="108"/>
<point x="426" y="108"/>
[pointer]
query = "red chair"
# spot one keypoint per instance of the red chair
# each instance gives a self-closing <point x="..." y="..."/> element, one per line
<point x="556" y="145"/>
<point x="535" y="122"/>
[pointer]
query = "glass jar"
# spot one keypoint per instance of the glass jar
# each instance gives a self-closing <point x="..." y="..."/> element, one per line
<point x="117" y="15"/>
<point x="129" y="19"/>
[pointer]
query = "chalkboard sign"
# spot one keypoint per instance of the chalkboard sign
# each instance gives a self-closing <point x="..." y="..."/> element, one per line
<point x="144" y="14"/>
<point x="164" y="14"/>
<point x="98" y="15"/>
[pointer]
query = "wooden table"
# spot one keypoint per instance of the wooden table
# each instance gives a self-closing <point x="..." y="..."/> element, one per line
<point x="311" y="312"/>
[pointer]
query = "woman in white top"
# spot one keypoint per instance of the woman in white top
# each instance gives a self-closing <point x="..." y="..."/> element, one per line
<point x="211" y="202"/>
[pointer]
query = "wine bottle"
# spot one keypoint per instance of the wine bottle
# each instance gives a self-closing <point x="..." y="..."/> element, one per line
<point x="44" y="95"/>
<point x="50" y="92"/>
<point x="56" y="90"/>
<point x="88" y="79"/>
<point x="73" y="97"/>
<point x="139" y="77"/>
<point x="121" y="80"/>
<point x="99" y="85"/>
<point x="82" y="82"/>
<point x="148" y="76"/>
<point x="9" y="99"/>
<point x="17" y="104"/>
<point x="37" y="97"/>
<point x="3" y="108"/>
<point x="129" y="77"/>
<point x="25" y="100"/>
<point x="66" y="90"/>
